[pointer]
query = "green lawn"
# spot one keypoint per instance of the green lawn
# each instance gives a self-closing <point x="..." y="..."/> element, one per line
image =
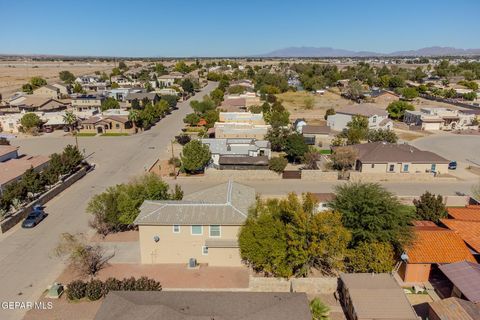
<point x="86" y="134"/>
<point x="114" y="134"/>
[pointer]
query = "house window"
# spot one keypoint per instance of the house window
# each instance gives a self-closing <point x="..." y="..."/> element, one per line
<point x="434" y="167"/>
<point x="204" y="250"/>
<point x="215" y="231"/>
<point x="374" y="119"/>
<point x="176" y="228"/>
<point x="197" y="230"/>
<point x="405" y="168"/>
<point x="391" y="168"/>
<point x="117" y="125"/>
<point x="373" y="165"/>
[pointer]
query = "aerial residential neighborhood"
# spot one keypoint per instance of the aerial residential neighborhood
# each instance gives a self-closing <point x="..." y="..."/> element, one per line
<point x="170" y="160"/>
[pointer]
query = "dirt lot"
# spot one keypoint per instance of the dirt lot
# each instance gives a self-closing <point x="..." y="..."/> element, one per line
<point x="295" y="103"/>
<point x="13" y="74"/>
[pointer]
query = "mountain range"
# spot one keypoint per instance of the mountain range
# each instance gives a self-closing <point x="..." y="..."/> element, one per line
<point x="293" y="52"/>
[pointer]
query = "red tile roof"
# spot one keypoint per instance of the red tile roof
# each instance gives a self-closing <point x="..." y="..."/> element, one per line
<point x="437" y="245"/>
<point x="469" y="231"/>
<point x="471" y="213"/>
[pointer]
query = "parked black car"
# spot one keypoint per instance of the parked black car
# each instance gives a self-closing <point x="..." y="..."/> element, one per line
<point x="34" y="217"/>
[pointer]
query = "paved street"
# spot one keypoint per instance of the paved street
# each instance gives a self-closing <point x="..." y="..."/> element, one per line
<point x="26" y="255"/>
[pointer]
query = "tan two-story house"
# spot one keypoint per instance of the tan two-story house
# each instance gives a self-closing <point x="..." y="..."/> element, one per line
<point x="203" y="226"/>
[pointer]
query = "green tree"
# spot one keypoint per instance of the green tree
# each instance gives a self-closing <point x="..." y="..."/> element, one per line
<point x="372" y="214"/>
<point x="116" y="208"/>
<point x="37" y="82"/>
<point x="396" y="82"/>
<point x="329" y="112"/>
<point x="30" y="121"/>
<point x="295" y="146"/>
<point x="277" y="164"/>
<point x="217" y="96"/>
<point x="396" y="109"/>
<point x="200" y="107"/>
<point x="77" y="88"/>
<point x="192" y="119"/>
<point x="237" y="89"/>
<point x="70" y="119"/>
<point x="277" y="136"/>
<point x="408" y="93"/>
<point x="385" y="135"/>
<point x="27" y="88"/>
<point x="286" y="238"/>
<point x="357" y="129"/>
<point x="114" y="85"/>
<point x="188" y="86"/>
<point x="368" y="257"/>
<point x="66" y="76"/>
<point x="470" y="96"/>
<point x="430" y="207"/>
<point x="354" y="90"/>
<point x="195" y="156"/>
<point x="110" y="103"/>
<point x="171" y="99"/>
<point x="32" y="181"/>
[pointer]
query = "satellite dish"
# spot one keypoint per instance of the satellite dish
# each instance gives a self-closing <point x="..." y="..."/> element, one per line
<point x="156" y="238"/>
<point x="404" y="257"/>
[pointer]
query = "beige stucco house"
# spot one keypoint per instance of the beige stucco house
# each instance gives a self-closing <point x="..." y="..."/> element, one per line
<point x="48" y="91"/>
<point x="204" y="226"/>
<point x="382" y="157"/>
<point x="107" y="124"/>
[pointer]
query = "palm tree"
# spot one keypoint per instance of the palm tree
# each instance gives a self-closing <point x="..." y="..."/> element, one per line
<point x="134" y="116"/>
<point x="70" y="119"/>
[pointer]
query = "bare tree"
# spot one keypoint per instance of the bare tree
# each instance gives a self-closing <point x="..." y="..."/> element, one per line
<point x="85" y="258"/>
<point x="344" y="158"/>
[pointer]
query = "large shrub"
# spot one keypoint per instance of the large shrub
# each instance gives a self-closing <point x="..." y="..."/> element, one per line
<point x="94" y="290"/>
<point x="112" y="284"/>
<point x="277" y="164"/>
<point x="76" y="290"/>
<point x="129" y="284"/>
<point x="146" y="284"/>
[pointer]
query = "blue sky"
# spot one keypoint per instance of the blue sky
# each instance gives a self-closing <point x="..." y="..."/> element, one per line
<point x="231" y="28"/>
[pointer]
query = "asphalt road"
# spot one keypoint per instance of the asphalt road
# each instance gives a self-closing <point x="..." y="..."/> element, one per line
<point x="27" y="262"/>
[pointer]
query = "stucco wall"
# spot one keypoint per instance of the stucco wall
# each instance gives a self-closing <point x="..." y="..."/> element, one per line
<point x="180" y="247"/>
<point x="377" y="177"/>
<point x="416" y="273"/>
<point x="317" y="285"/>
<point x="224" y="175"/>
<point x="319" y="175"/>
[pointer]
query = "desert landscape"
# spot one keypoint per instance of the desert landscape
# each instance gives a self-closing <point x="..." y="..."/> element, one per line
<point x="13" y="74"/>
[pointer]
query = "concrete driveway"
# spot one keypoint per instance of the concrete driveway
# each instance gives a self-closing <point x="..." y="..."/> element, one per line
<point x="26" y="255"/>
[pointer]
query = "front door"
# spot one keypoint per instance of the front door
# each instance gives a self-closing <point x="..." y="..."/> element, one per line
<point x="99" y="130"/>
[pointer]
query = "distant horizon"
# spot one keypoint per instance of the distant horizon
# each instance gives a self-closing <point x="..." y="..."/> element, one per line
<point x="258" y="55"/>
<point x="221" y="29"/>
